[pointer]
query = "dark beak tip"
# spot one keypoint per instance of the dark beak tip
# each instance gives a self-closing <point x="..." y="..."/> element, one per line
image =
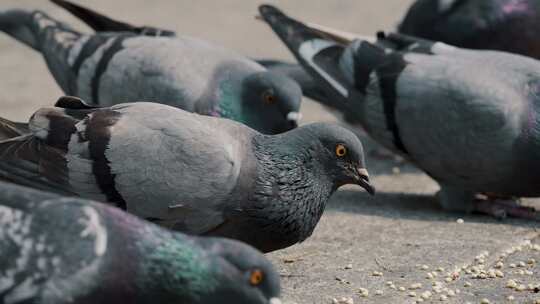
<point x="364" y="183"/>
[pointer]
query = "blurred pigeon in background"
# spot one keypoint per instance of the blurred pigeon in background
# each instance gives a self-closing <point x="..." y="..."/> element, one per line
<point x="470" y="119"/>
<point x="505" y="25"/>
<point x="67" y="250"/>
<point x="122" y="63"/>
<point x="193" y="173"/>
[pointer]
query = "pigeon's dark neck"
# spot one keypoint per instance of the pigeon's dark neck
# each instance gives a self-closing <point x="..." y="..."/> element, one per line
<point x="222" y="97"/>
<point x="291" y="190"/>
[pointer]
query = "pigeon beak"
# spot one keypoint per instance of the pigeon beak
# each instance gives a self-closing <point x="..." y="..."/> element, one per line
<point x="294" y="116"/>
<point x="363" y="180"/>
<point x="274" y="301"/>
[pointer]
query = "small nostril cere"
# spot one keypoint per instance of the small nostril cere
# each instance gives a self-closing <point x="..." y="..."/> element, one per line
<point x="275" y="301"/>
<point x="294" y="116"/>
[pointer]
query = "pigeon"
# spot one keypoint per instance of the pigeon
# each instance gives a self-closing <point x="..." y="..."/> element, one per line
<point x="121" y="63"/>
<point x="468" y="118"/>
<point x="505" y="25"/>
<point x="58" y="249"/>
<point x="192" y="173"/>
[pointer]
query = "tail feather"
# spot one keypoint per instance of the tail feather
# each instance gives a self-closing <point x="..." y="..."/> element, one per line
<point x="36" y="29"/>
<point x="93" y="19"/>
<point x="55" y="40"/>
<point x="10" y="129"/>
<point x="101" y="23"/>
<point x="319" y="54"/>
<point x="19" y="25"/>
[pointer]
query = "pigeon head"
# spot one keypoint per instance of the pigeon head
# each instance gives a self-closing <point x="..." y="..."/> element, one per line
<point x="177" y="268"/>
<point x="335" y="152"/>
<point x="275" y="95"/>
<point x="243" y="271"/>
<point x="298" y="171"/>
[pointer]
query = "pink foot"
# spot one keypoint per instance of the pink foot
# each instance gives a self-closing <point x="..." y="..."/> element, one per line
<point x="506" y="208"/>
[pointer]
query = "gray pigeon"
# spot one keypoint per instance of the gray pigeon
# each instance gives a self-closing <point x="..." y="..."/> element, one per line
<point x="58" y="250"/>
<point x="122" y="63"/>
<point x="470" y="119"/>
<point x="193" y="173"/>
<point x="505" y="25"/>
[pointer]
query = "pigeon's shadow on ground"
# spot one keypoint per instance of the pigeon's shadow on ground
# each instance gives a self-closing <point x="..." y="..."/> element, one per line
<point x="407" y="206"/>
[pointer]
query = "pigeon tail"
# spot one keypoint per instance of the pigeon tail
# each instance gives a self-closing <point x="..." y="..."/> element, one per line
<point x="292" y="32"/>
<point x="316" y="51"/>
<point x="19" y="24"/>
<point x="37" y="30"/>
<point x="10" y="129"/>
<point x="102" y="23"/>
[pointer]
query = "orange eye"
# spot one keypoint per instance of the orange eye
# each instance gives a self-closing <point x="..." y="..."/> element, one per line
<point x="341" y="150"/>
<point x="269" y="98"/>
<point x="256" y="277"/>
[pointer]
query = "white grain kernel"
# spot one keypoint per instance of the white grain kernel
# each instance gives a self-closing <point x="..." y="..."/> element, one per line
<point x="511" y="284"/>
<point x="415" y="286"/>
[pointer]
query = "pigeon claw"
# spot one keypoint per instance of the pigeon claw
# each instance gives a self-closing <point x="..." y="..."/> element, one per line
<point x="501" y="209"/>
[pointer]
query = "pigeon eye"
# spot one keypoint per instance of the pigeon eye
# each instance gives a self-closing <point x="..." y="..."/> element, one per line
<point x="341" y="150"/>
<point x="256" y="277"/>
<point x="269" y="98"/>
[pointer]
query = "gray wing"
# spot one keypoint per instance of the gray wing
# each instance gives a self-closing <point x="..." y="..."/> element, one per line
<point x="480" y="99"/>
<point x="175" y="167"/>
<point x="26" y="160"/>
<point x="63" y="153"/>
<point x="156" y="161"/>
<point x="52" y="247"/>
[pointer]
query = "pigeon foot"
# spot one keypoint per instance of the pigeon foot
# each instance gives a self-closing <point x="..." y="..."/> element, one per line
<point x="501" y="209"/>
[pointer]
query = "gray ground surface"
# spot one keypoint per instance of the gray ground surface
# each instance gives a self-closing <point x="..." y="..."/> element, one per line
<point x="393" y="233"/>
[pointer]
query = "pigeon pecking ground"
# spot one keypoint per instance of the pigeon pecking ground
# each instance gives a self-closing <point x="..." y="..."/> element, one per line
<point x="388" y="239"/>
